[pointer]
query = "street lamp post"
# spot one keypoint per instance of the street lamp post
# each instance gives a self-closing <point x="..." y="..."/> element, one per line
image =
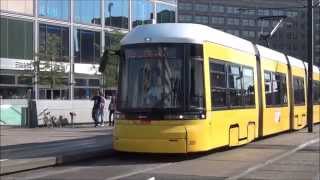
<point x="109" y="9"/>
<point x="310" y="66"/>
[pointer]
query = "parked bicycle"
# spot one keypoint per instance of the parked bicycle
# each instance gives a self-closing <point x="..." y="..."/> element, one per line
<point x="50" y="120"/>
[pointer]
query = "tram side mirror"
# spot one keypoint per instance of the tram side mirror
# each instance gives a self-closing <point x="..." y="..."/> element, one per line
<point x="105" y="58"/>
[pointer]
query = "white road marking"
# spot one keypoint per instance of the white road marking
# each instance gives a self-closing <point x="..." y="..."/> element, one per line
<point x="138" y="172"/>
<point x="270" y="161"/>
<point x="152" y="178"/>
<point x="1" y="160"/>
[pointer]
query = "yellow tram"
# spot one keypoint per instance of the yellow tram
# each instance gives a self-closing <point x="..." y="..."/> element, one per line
<point x="190" y="88"/>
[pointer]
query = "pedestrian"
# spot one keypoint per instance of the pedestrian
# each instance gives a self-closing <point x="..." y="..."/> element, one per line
<point x="102" y="108"/>
<point x="112" y="108"/>
<point x="96" y="110"/>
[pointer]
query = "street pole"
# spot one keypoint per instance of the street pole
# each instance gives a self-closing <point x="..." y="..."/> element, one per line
<point x="310" y="66"/>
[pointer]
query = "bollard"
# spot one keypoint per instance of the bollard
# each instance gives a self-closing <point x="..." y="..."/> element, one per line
<point x="72" y="114"/>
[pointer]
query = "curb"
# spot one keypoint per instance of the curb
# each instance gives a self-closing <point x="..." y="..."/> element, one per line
<point x="19" y="165"/>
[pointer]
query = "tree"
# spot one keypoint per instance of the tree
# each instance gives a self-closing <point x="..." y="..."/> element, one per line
<point x="50" y="67"/>
<point x="109" y="65"/>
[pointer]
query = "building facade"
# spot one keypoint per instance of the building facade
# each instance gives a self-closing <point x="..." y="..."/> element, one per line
<point x="240" y="18"/>
<point x="80" y="31"/>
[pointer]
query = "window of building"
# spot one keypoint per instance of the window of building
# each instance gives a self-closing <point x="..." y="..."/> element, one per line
<point x="233" y="10"/>
<point x="84" y="93"/>
<point x="234" y="32"/>
<point x="54" y="41"/>
<point x="248" y="22"/>
<point x="16" y="39"/>
<point x="185" y="6"/>
<point x="292" y="13"/>
<point x="217" y="8"/>
<point x="275" y="88"/>
<point x="263" y="12"/>
<point x="87" y="46"/>
<point x="250" y="34"/>
<point x="166" y="13"/>
<point x="245" y="22"/>
<point x="298" y="88"/>
<point x="7" y="79"/>
<point x="142" y="11"/>
<point x="56" y="9"/>
<point x="9" y="92"/>
<point x="80" y="82"/>
<point x="217" y="20"/>
<point x="25" y="80"/>
<point x="263" y="23"/>
<point x="201" y="19"/>
<point x="87" y="11"/>
<point x="53" y="93"/>
<point x="19" y="6"/>
<point x="185" y="18"/>
<point x="116" y="13"/>
<point x="94" y="82"/>
<point x="250" y="12"/>
<point x="238" y="92"/>
<point x="233" y="21"/>
<point x="201" y="7"/>
<point x="277" y="12"/>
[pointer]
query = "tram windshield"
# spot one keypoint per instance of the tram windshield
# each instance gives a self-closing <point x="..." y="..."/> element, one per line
<point x="152" y="77"/>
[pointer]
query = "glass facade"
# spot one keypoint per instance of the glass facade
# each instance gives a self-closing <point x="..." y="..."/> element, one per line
<point x="142" y="12"/>
<point x="16" y="39"/>
<point x="116" y="13"/>
<point x="54" y="40"/>
<point x="87" y="11"/>
<point x="96" y="25"/>
<point x="87" y="46"/>
<point x="165" y="13"/>
<point x="56" y="9"/>
<point x="18" y="6"/>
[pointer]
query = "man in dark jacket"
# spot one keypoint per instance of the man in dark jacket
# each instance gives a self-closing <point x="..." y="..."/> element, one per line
<point x="97" y="103"/>
<point x="112" y="108"/>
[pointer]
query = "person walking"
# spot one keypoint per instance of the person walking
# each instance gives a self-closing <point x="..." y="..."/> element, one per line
<point x="102" y="108"/>
<point x="96" y="109"/>
<point x="112" y="108"/>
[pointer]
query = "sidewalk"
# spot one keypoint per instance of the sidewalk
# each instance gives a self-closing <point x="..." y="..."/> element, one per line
<point x="24" y="149"/>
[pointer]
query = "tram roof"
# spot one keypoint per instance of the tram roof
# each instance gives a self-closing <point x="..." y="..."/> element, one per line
<point x="185" y="33"/>
<point x="296" y="62"/>
<point x="272" y="54"/>
<point x="315" y="68"/>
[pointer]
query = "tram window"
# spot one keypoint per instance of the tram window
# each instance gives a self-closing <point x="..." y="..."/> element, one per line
<point x="298" y="87"/>
<point x="235" y="85"/>
<point x="232" y="85"/>
<point x="282" y="92"/>
<point x="219" y="98"/>
<point x="218" y="84"/>
<point x="275" y="89"/>
<point x="316" y="92"/>
<point x="196" y="88"/>
<point x="218" y="75"/>
<point x="267" y="87"/>
<point x="248" y="86"/>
